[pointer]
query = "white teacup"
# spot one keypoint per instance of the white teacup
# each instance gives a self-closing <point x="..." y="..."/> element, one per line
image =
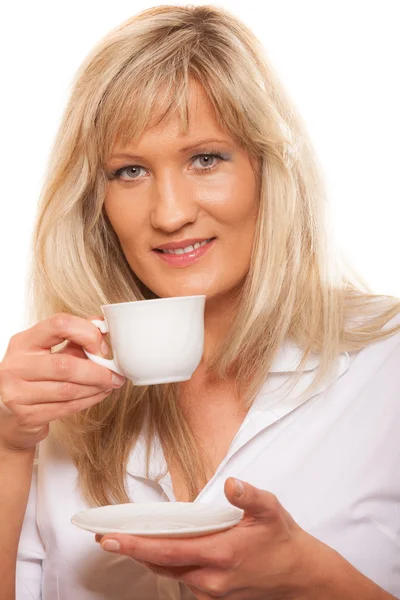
<point x="154" y="341"/>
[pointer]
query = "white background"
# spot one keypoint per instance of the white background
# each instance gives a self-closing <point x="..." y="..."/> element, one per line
<point x="339" y="61"/>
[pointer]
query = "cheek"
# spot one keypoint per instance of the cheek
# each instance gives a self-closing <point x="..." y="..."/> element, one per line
<point x="237" y="203"/>
<point x="126" y="220"/>
<point x="238" y="216"/>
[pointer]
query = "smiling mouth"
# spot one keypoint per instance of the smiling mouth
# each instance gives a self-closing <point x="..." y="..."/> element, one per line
<point x="184" y="256"/>
<point x="186" y="250"/>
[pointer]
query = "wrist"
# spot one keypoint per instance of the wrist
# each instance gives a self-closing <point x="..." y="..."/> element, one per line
<point x="337" y="579"/>
<point x="7" y="451"/>
<point x="317" y="571"/>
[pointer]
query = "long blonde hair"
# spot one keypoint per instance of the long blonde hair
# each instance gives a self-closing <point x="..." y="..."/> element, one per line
<point x="298" y="286"/>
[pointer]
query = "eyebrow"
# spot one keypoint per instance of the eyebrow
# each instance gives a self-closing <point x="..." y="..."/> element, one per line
<point x="182" y="150"/>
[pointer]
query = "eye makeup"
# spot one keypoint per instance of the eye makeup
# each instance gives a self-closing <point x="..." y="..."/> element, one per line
<point x="216" y="154"/>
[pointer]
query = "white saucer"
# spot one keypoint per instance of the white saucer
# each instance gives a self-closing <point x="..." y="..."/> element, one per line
<point x="159" y="519"/>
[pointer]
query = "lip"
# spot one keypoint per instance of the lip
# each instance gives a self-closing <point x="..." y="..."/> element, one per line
<point x="184" y="260"/>
<point x="181" y="244"/>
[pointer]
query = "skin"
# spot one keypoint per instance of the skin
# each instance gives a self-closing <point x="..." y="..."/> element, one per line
<point x="267" y="556"/>
<point x="171" y="198"/>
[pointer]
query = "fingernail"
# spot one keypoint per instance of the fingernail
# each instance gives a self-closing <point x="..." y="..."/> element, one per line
<point x="111" y="546"/>
<point x="118" y="380"/>
<point x="239" y="487"/>
<point x="104" y="348"/>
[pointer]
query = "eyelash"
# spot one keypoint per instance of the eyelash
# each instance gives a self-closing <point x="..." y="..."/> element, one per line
<point x="116" y="175"/>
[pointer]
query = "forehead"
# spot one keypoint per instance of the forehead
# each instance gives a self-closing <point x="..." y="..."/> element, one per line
<point x="195" y="117"/>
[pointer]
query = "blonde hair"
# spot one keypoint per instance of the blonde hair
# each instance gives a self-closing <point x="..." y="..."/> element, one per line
<point x="297" y="287"/>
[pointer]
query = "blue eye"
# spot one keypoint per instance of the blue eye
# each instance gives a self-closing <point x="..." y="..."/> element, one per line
<point x="117" y="174"/>
<point x="213" y="155"/>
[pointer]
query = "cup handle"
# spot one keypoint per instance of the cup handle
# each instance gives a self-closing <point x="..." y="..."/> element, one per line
<point x="103" y="362"/>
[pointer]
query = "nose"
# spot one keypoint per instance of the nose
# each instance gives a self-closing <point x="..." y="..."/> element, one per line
<point x="174" y="203"/>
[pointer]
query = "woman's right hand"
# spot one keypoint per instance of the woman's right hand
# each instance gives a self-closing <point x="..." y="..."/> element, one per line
<point x="38" y="386"/>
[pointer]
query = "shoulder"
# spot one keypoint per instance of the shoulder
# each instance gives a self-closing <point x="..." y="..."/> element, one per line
<point x="382" y="349"/>
<point x="375" y="369"/>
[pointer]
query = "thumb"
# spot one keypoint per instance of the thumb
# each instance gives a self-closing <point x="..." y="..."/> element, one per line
<point x="255" y="502"/>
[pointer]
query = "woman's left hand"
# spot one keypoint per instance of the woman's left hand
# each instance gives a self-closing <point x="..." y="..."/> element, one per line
<point x="265" y="557"/>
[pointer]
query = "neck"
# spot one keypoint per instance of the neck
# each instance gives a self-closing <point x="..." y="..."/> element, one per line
<point x="219" y="315"/>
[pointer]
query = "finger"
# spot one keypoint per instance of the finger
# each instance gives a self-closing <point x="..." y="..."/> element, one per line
<point x="54" y="330"/>
<point x="45" y="413"/>
<point x="255" y="502"/>
<point x="72" y="349"/>
<point x="197" y="579"/>
<point x="35" y="392"/>
<point x="200" y="551"/>
<point x="260" y="508"/>
<point x="178" y="573"/>
<point x="208" y="582"/>
<point x="60" y="367"/>
<point x="198" y="593"/>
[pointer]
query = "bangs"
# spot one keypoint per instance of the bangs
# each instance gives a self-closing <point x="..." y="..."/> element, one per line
<point x="133" y="105"/>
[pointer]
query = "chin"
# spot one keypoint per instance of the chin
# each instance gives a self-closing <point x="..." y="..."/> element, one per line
<point x="211" y="294"/>
<point x="184" y="292"/>
<point x="182" y="284"/>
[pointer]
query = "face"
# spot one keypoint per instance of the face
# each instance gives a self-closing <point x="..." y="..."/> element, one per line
<point x="184" y="208"/>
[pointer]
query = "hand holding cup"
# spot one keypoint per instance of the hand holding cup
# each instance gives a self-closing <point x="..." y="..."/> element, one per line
<point x="154" y="341"/>
<point x="38" y="386"/>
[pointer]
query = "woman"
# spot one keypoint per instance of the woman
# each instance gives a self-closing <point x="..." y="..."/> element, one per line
<point x="297" y="391"/>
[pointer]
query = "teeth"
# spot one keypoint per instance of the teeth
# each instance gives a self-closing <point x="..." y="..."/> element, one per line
<point x="188" y="248"/>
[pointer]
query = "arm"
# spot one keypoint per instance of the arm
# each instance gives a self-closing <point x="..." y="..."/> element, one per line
<point x="33" y="385"/>
<point x="265" y="556"/>
<point x="15" y="480"/>
<point x="345" y="582"/>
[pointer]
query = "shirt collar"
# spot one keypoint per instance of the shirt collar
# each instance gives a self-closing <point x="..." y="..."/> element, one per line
<point x="289" y="356"/>
<point x="273" y="401"/>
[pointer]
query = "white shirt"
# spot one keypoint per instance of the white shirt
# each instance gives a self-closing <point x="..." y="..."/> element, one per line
<point x="333" y="461"/>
